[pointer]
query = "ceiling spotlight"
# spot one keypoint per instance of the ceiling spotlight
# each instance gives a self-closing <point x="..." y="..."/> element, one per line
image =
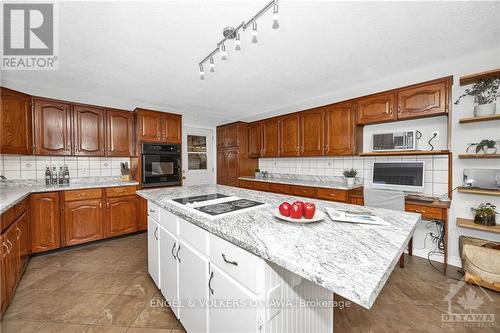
<point x="255" y="33"/>
<point x="237" y="42"/>
<point x="276" y="17"/>
<point x="223" y="53"/>
<point x="212" y="65"/>
<point x="202" y="73"/>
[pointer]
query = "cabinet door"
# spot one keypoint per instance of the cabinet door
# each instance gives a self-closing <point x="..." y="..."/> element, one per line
<point x="289" y="135"/>
<point x="220" y="137"/>
<point x="340" y="129"/>
<point x="311" y="132"/>
<point x="12" y="258"/>
<point x="255" y="140"/>
<point x="232" y="167"/>
<point x="52" y="127"/>
<point x="376" y="108"/>
<point x="15" y="122"/>
<point x="83" y="221"/>
<point x="172" y="129"/>
<point x="193" y="285"/>
<point x="45" y="222"/>
<point x="221" y="167"/>
<point x="119" y="133"/>
<point x="169" y="272"/>
<point x="88" y="130"/>
<point x="153" y="251"/>
<point x="270" y="137"/>
<point x="24" y="239"/>
<point x="121" y="215"/>
<point x="231" y="135"/>
<point x="224" y="288"/>
<point x="150" y="125"/>
<point x="422" y="100"/>
<point x="142" y="213"/>
<point x="4" y="275"/>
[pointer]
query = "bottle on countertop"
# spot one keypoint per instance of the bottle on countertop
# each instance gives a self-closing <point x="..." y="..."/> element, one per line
<point x="66" y="175"/>
<point x="48" y="176"/>
<point x="60" y="176"/>
<point x="54" y="175"/>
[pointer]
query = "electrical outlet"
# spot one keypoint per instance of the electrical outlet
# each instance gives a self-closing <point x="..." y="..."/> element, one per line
<point x="436" y="134"/>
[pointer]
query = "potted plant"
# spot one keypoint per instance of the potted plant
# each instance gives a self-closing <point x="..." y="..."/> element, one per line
<point x="487" y="146"/>
<point x="350" y="176"/>
<point x="485" y="214"/>
<point x="257" y="173"/>
<point x="485" y="93"/>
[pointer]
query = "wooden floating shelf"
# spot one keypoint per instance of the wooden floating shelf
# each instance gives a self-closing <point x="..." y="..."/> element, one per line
<point x="478" y="119"/>
<point x="479" y="156"/>
<point x="469" y="224"/>
<point x="407" y="152"/>
<point x="478" y="191"/>
<point x="468" y="79"/>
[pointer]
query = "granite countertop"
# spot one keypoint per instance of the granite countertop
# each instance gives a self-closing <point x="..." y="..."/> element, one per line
<point x="338" y="185"/>
<point x="15" y="192"/>
<point x="351" y="260"/>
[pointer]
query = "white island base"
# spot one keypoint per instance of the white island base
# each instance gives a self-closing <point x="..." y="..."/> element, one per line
<point x="214" y="286"/>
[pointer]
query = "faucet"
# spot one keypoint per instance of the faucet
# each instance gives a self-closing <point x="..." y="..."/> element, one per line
<point x="3" y="179"/>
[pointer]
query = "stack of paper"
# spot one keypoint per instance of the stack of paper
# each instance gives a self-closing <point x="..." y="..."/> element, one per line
<point x="356" y="217"/>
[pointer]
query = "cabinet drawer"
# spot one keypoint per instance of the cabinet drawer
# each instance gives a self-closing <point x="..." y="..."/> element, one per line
<point x="427" y="212"/>
<point x="7" y="218"/>
<point x="93" y="193"/>
<point x="120" y="191"/>
<point x="303" y="191"/>
<point x="21" y="207"/>
<point x="259" y="186"/>
<point x="153" y="211"/>
<point x="331" y="194"/>
<point x="169" y="221"/>
<point x="194" y="236"/>
<point x="240" y="264"/>
<point x="279" y="188"/>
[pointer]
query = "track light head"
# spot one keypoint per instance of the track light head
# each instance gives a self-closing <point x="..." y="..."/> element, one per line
<point x="223" y="53"/>
<point x="276" y="17"/>
<point x="255" y="33"/>
<point x="202" y="73"/>
<point x="211" y="67"/>
<point x="237" y="42"/>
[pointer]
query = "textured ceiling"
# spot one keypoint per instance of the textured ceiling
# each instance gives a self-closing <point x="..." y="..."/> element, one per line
<point x="128" y="54"/>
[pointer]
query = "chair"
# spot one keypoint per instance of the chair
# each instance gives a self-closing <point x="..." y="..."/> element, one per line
<point x="388" y="199"/>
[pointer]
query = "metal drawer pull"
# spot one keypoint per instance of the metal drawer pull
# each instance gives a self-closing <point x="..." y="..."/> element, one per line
<point x="156" y="233"/>
<point x="18" y="232"/>
<point x="210" y="283"/>
<point x="229" y="261"/>
<point x="177" y="253"/>
<point x="173" y="254"/>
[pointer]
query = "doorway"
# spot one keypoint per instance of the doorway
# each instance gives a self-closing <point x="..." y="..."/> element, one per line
<point x="197" y="156"/>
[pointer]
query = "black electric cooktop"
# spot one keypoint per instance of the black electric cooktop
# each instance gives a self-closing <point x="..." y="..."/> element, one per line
<point x="227" y="207"/>
<point x="200" y="198"/>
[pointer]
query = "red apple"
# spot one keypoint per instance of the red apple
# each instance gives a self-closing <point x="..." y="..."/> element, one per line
<point x="296" y="211"/>
<point x="285" y="208"/>
<point x="309" y="210"/>
<point x="300" y="203"/>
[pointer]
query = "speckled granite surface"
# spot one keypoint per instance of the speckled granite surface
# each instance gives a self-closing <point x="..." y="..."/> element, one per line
<point x="337" y="183"/>
<point x="351" y="260"/>
<point x="14" y="192"/>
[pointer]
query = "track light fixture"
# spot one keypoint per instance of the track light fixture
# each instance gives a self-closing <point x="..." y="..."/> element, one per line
<point x="234" y="33"/>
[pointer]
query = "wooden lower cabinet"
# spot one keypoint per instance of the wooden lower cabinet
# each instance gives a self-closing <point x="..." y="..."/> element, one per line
<point x="142" y="213"/>
<point x="83" y="221"/>
<point x="45" y="222"/>
<point x="24" y="239"/>
<point x="121" y="215"/>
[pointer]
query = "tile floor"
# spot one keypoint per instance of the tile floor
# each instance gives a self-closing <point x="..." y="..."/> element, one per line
<point x="105" y="288"/>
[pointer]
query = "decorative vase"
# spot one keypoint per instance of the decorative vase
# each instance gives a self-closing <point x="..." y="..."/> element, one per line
<point x="487" y="220"/>
<point x="350" y="181"/>
<point x="490" y="151"/>
<point x="257" y="174"/>
<point x="485" y="110"/>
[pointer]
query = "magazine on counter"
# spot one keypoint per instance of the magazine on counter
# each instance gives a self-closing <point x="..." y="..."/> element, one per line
<point x="356" y="217"/>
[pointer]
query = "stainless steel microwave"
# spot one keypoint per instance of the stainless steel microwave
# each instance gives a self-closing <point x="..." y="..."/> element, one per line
<point x="394" y="141"/>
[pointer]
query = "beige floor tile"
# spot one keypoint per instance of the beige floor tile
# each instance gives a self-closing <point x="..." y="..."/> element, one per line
<point x="83" y="307"/>
<point x="155" y="316"/>
<point x="53" y="281"/>
<point x="61" y="328"/>
<point x="96" y="282"/>
<point x="104" y="329"/>
<point x="142" y="286"/>
<point x="149" y="330"/>
<point x="20" y="326"/>
<point x="121" y="311"/>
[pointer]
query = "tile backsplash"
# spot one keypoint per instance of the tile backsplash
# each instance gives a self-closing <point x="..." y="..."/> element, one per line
<point x="435" y="178"/>
<point x="15" y="167"/>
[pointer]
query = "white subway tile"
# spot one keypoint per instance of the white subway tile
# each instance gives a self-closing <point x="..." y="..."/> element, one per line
<point x="12" y="164"/>
<point x="440" y="176"/>
<point x="440" y="163"/>
<point x="439" y="189"/>
<point x="83" y="172"/>
<point x="106" y="172"/>
<point x="12" y="174"/>
<point x="31" y="174"/>
<point x="105" y="163"/>
<point x="94" y="172"/>
<point x="42" y="162"/>
<point x="115" y="172"/>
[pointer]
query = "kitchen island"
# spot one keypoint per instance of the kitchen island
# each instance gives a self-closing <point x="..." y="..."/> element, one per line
<point x="299" y="262"/>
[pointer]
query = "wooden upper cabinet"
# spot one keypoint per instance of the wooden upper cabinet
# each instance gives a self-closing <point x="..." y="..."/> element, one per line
<point x="311" y="132"/>
<point x="172" y="128"/>
<point x="121" y="215"/>
<point x="52" y="127"/>
<point x="289" y="130"/>
<point x="149" y="126"/>
<point x="45" y="222"/>
<point x="376" y="108"/>
<point x="88" y="131"/>
<point x="270" y="138"/>
<point x="119" y="133"/>
<point x="255" y="139"/>
<point x="83" y="221"/>
<point x="221" y="166"/>
<point x="231" y="135"/>
<point x="15" y="122"/>
<point x="220" y="137"/>
<point x="425" y="99"/>
<point x="340" y="129"/>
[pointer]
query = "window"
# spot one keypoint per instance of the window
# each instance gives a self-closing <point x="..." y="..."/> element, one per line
<point x="197" y="152"/>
